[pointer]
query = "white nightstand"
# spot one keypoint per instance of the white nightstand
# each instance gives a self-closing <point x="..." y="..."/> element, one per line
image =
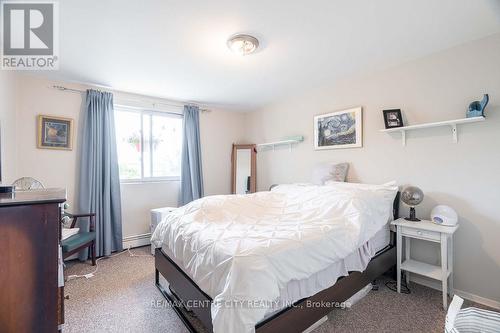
<point x="429" y="231"/>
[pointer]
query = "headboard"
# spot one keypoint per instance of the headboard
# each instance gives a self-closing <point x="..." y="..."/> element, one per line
<point x="395" y="206"/>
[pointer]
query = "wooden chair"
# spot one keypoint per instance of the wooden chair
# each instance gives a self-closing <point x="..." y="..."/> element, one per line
<point x="81" y="240"/>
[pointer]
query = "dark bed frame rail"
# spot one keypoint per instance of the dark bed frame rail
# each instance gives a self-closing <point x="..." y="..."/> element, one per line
<point x="183" y="291"/>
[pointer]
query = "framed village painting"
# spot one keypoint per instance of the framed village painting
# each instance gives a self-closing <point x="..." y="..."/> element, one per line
<point x="342" y="129"/>
<point x="55" y="133"/>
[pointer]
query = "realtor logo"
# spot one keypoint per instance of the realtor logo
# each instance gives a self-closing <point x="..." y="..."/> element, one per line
<point x="30" y="35"/>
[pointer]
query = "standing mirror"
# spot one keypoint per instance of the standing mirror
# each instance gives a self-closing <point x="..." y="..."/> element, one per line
<point x="244" y="165"/>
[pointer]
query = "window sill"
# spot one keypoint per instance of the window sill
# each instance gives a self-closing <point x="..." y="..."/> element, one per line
<point x="152" y="181"/>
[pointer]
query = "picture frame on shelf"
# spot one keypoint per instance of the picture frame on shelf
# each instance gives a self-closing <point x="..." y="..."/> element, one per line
<point x="393" y="118"/>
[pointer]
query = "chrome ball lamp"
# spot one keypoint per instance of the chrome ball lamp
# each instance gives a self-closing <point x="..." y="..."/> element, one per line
<point x="412" y="196"/>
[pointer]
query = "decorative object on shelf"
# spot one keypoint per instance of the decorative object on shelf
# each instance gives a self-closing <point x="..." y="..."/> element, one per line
<point x="341" y="129"/>
<point x="393" y="118"/>
<point x="476" y="108"/>
<point x="412" y="196"/>
<point x="27" y="184"/>
<point x="444" y="215"/>
<point x="55" y="133"/>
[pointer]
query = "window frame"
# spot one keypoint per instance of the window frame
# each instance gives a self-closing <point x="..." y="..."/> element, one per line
<point x="150" y="113"/>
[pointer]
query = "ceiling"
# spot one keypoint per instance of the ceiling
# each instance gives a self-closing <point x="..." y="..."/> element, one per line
<point x="177" y="49"/>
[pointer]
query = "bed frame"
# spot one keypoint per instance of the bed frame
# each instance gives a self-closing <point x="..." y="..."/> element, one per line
<point x="183" y="292"/>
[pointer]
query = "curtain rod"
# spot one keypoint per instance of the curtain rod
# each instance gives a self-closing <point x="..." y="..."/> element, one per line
<point x="179" y="105"/>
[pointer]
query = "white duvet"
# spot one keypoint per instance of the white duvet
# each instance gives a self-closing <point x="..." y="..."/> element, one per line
<point x="242" y="249"/>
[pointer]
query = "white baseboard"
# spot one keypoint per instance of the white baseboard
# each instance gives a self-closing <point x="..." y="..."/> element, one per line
<point x="136" y="240"/>
<point x="434" y="284"/>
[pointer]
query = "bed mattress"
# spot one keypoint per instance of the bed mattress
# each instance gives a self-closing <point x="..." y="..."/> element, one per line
<point x="247" y="251"/>
<point x="299" y="289"/>
<point x="357" y="261"/>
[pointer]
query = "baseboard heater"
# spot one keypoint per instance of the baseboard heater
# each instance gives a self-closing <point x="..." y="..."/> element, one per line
<point x="137" y="240"/>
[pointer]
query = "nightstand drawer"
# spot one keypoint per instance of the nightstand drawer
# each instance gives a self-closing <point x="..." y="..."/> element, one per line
<point x="422" y="234"/>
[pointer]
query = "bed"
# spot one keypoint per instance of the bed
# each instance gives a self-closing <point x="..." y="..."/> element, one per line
<point x="277" y="260"/>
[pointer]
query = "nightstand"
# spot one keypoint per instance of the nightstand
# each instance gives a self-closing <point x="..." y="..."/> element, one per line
<point x="428" y="231"/>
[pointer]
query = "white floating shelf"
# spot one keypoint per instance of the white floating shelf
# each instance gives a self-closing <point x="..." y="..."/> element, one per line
<point x="280" y="143"/>
<point x="451" y="123"/>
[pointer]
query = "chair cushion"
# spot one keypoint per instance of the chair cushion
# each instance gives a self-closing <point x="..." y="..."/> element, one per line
<point x="77" y="240"/>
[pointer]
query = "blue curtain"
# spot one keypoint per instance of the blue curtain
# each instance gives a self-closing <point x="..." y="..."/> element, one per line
<point x="99" y="186"/>
<point x="191" y="171"/>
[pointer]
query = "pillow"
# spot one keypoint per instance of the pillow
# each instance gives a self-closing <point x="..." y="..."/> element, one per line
<point x="325" y="172"/>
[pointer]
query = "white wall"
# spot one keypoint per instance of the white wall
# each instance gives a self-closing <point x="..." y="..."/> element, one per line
<point x="55" y="168"/>
<point x="8" y="86"/>
<point x="219" y="130"/>
<point x="465" y="176"/>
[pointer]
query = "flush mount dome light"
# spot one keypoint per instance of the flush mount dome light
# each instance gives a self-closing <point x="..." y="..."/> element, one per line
<point x="243" y="44"/>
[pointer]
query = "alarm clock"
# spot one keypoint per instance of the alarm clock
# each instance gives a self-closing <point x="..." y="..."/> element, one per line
<point x="444" y="215"/>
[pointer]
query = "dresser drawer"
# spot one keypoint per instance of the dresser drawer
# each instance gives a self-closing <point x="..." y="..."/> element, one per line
<point x="422" y="234"/>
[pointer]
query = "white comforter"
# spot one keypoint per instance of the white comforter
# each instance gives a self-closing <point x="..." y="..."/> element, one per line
<point x="242" y="249"/>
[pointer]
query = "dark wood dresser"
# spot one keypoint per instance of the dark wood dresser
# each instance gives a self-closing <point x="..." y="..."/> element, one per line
<point x="30" y="297"/>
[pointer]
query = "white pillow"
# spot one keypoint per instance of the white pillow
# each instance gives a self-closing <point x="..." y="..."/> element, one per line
<point x="326" y="172"/>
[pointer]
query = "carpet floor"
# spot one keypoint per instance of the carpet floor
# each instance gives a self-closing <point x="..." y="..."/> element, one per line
<point x="122" y="297"/>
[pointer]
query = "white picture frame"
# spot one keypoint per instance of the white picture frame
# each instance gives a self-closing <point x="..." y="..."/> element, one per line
<point x="339" y="130"/>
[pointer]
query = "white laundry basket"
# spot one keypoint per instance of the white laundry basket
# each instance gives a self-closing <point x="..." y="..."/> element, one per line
<point x="470" y="320"/>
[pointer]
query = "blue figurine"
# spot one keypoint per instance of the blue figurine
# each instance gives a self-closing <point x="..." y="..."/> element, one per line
<point x="476" y="108"/>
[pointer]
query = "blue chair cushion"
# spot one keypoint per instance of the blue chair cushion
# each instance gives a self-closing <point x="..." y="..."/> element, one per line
<point x="75" y="241"/>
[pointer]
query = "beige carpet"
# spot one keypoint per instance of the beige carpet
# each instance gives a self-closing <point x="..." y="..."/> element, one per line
<point x="122" y="297"/>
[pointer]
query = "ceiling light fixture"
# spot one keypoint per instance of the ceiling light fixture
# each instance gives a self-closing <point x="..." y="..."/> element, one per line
<point x="243" y="44"/>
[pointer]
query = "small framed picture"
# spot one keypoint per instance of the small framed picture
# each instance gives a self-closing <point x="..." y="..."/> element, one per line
<point x="342" y="129"/>
<point x="393" y="118"/>
<point x="55" y="133"/>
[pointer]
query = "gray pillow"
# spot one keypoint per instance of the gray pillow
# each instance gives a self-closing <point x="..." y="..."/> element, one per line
<point x="336" y="172"/>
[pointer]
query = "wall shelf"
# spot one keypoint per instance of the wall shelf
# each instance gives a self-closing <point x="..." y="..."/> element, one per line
<point x="275" y="144"/>
<point x="451" y="123"/>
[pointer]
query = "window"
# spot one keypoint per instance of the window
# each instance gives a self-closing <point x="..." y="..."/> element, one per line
<point x="149" y="144"/>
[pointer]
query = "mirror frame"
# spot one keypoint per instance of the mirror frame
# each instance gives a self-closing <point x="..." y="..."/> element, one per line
<point x="253" y="166"/>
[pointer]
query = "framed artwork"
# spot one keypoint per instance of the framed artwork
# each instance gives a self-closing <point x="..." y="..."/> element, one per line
<point x="393" y="118"/>
<point x="342" y="129"/>
<point x="55" y="132"/>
